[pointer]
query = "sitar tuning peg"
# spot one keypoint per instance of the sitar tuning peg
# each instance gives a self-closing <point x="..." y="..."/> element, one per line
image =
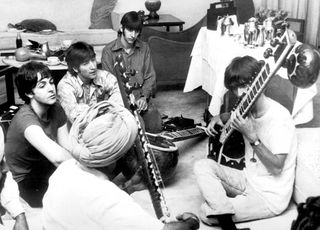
<point x="268" y="53"/>
<point x="132" y="72"/>
<point x="274" y="42"/>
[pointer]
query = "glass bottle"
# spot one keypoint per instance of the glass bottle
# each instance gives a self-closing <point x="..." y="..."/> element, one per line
<point x="18" y="40"/>
<point x="260" y="39"/>
<point x="252" y="33"/>
<point x="246" y="33"/>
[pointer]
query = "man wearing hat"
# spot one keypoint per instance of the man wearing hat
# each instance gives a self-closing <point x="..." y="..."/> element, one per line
<point x="80" y="193"/>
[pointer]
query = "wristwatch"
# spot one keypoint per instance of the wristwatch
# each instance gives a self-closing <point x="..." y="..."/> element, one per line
<point x="255" y="143"/>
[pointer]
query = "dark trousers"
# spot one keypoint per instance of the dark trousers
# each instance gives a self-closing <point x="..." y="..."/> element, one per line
<point x="152" y="119"/>
<point x="32" y="191"/>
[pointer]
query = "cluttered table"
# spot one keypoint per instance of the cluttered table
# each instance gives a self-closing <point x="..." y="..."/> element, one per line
<point x="212" y="53"/>
<point x="9" y="66"/>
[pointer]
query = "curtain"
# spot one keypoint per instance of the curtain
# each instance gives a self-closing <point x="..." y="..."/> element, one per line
<point x="302" y="9"/>
<point x="101" y="14"/>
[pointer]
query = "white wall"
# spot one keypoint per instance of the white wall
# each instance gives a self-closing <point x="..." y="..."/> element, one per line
<point x="75" y="14"/>
<point x="65" y="14"/>
<point x="190" y="11"/>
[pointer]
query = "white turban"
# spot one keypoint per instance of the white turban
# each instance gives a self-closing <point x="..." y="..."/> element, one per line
<point x="102" y="134"/>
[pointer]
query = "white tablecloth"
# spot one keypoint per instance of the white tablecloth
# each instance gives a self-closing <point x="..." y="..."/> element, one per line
<point x="212" y="53"/>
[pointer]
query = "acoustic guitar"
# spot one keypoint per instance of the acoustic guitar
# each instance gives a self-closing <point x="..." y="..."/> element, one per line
<point x="227" y="148"/>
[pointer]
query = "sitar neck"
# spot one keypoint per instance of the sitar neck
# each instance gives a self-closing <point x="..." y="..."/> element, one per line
<point x="280" y="51"/>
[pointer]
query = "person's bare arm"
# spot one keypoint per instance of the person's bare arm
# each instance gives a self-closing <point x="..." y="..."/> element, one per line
<point x="50" y="149"/>
<point x="274" y="162"/>
<point x="62" y="137"/>
<point x="21" y="222"/>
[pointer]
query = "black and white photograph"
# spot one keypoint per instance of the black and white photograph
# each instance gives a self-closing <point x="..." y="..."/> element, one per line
<point x="159" y="115"/>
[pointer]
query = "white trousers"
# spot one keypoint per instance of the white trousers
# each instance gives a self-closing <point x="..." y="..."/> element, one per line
<point x="226" y="191"/>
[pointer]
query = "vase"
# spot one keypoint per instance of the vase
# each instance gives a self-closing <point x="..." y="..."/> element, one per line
<point x="268" y="30"/>
<point x="153" y="6"/>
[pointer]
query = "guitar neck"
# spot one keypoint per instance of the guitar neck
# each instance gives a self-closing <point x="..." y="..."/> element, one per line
<point x="280" y="53"/>
<point x="185" y="134"/>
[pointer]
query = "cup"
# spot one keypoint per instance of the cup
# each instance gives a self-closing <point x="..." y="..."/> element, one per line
<point x="53" y="60"/>
<point x="65" y="44"/>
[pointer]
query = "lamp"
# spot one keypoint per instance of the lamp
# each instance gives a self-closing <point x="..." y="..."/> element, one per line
<point x="153" y="6"/>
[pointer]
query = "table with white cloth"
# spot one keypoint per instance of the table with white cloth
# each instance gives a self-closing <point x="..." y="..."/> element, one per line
<point x="212" y="53"/>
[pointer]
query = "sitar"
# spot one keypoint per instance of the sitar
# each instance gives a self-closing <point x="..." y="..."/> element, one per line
<point x="146" y="158"/>
<point x="227" y="147"/>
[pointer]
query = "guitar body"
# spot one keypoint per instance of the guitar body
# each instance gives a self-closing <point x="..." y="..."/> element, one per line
<point x="232" y="152"/>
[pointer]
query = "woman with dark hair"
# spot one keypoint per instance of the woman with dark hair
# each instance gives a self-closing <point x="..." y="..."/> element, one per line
<point x="37" y="136"/>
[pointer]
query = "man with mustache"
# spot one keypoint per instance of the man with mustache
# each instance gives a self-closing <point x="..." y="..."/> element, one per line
<point x="136" y="55"/>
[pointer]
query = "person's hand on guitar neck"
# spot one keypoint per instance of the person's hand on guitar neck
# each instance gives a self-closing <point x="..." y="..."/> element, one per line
<point x="216" y="120"/>
<point x="244" y="126"/>
<point x="142" y="104"/>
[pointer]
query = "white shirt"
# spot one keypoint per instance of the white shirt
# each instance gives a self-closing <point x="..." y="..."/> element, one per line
<point x="9" y="196"/>
<point x="276" y="131"/>
<point x="80" y="198"/>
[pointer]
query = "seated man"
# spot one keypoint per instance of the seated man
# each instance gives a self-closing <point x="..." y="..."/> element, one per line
<point x="37" y="136"/>
<point x="136" y="55"/>
<point x="80" y="193"/>
<point x="84" y="85"/>
<point x="9" y="193"/>
<point x="264" y="187"/>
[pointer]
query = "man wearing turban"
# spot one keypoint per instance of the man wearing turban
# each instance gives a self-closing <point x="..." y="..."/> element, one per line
<point x="80" y="193"/>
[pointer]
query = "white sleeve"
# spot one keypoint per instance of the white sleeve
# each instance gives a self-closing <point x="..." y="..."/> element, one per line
<point x="10" y="198"/>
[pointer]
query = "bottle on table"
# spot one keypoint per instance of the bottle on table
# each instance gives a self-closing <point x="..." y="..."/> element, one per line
<point x="18" y="40"/>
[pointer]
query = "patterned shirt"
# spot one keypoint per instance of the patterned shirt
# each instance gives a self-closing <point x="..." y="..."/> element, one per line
<point x="75" y="96"/>
<point x="138" y="59"/>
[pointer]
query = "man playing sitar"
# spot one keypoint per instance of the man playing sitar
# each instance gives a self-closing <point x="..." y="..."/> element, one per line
<point x="264" y="187"/>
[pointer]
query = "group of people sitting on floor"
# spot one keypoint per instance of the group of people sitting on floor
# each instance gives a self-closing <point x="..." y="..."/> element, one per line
<point x="65" y="146"/>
